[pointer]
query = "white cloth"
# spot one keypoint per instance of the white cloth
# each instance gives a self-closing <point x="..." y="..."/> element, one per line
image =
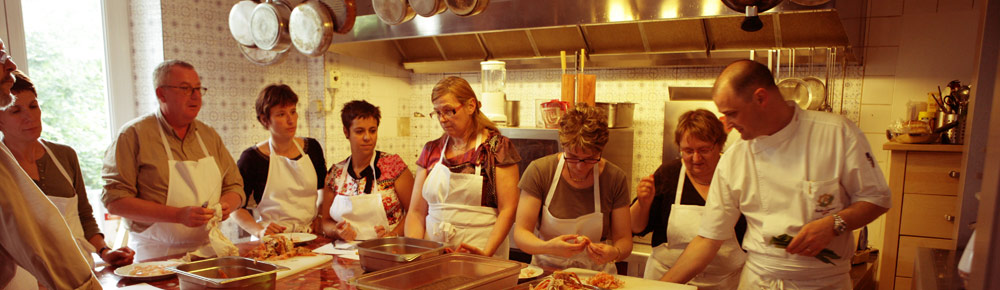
<point x="218" y="244"/>
<point x="289" y="197"/>
<point x="751" y="280"/>
<point x="682" y="226"/>
<point x="362" y="211"/>
<point x="70" y="210"/>
<point x="191" y="183"/>
<point x="815" y="166"/>
<point x="34" y="235"/>
<point x="455" y="213"/>
<point x="590" y="225"/>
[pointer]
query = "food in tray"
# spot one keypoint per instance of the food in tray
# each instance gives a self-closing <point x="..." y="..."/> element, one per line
<point x="560" y="280"/>
<point x="149" y="270"/>
<point x="605" y="280"/>
<point x="529" y="272"/>
<point x="277" y="247"/>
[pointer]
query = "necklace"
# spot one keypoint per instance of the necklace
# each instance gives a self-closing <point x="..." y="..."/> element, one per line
<point x="573" y="178"/>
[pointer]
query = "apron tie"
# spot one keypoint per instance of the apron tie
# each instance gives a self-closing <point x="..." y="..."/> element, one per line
<point x="446" y="231"/>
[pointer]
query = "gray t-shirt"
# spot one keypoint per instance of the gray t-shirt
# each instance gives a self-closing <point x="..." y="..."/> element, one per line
<point x="572" y="202"/>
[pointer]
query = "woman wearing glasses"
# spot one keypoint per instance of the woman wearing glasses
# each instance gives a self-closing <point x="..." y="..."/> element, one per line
<point x="669" y="204"/>
<point x="465" y="191"/>
<point x="576" y="201"/>
<point x="283" y="173"/>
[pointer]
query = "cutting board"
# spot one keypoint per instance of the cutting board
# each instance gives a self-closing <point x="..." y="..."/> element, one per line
<point x="300" y="263"/>
<point x="633" y="282"/>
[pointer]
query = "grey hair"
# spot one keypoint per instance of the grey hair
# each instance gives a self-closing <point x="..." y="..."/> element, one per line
<point x="161" y="70"/>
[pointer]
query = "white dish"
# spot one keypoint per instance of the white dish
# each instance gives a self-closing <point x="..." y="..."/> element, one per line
<point x="127" y="270"/>
<point x="298" y="238"/>
<point x="531" y="271"/>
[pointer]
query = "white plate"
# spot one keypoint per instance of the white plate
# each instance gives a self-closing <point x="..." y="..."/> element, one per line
<point x="531" y="271"/>
<point x="126" y="271"/>
<point x="298" y="238"/>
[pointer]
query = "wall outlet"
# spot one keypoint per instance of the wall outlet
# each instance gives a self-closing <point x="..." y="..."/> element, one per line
<point x="334" y="79"/>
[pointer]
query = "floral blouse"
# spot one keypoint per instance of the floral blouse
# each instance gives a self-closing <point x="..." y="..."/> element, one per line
<point x="388" y="168"/>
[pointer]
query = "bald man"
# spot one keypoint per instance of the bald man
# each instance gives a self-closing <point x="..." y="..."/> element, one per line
<point x="806" y="174"/>
<point x="33" y="234"/>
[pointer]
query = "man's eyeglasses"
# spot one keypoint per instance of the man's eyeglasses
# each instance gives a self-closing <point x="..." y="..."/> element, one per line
<point x="583" y="160"/>
<point x="446" y="113"/>
<point x="189" y="90"/>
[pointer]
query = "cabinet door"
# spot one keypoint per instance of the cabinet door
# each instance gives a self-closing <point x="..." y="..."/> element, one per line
<point x="903" y="283"/>
<point x="932" y="173"/>
<point x="908" y="251"/>
<point x="927" y="215"/>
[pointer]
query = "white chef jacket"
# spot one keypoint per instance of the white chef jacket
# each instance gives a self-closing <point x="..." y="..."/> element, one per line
<point x="34" y="235"/>
<point x="817" y="165"/>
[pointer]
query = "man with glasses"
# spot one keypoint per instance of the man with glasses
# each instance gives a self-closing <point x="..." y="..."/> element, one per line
<point x="30" y="237"/>
<point x="167" y="173"/>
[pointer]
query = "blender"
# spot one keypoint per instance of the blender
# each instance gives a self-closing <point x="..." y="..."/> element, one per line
<point x="494" y="79"/>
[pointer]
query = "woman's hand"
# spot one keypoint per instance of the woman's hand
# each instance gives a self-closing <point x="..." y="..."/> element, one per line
<point x="345" y="231"/>
<point x="272" y="228"/>
<point x="567" y="245"/>
<point x="645" y="191"/>
<point x="466" y="248"/>
<point x="602" y="253"/>
<point x="317" y="225"/>
<point x="119" y="257"/>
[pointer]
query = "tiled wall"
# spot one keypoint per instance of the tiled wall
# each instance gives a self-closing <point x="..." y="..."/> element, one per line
<point x="913" y="47"/>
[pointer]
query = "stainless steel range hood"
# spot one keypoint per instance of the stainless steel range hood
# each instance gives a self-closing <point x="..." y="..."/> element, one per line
<point x="528" y="34"/>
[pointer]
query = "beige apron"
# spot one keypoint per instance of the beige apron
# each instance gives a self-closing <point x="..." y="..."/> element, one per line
<point x="682" y="227"/>
<point x="590" y="225"/>
<point x="289" y="197"/>
<point x="362" y="211"/>
<point x="454" y="207"/>
<point x="190" y="183"/>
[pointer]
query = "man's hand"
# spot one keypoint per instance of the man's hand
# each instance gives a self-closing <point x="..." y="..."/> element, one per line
<point x="228" y="201"/>
<point x="602" y="253"/>
<point x="645" y="191"/>
<point x="120" y="257"/>
<point x="345" y="231"/>
<point x="567" y="245"/>
<point x="194" y="216"/>
<point x="812" y="238"/>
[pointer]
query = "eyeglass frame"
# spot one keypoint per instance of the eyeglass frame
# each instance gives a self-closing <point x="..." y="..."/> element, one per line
<point x="583" y="160"/>
<point x="189" y="89"/>
<point x="703" y="151"/>
<point x="437" y="115"/>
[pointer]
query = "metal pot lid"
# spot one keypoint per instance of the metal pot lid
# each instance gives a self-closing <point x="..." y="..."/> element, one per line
<point x="428" y="8"/>
<point x="344" y="13"/>
<point x="393" y="12"/>
<point x="263" y="57"/>
<point x="239" y="22"/>
<point x="311" y="28"/>
<point x="267" y="27"/>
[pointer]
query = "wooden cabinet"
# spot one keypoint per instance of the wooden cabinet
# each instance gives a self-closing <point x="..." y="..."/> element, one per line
<point x="924" y="183"/>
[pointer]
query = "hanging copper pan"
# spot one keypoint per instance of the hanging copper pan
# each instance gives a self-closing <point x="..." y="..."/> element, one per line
<point x="428" y="8"/>
<point x="344" y="13"/>
<point x="467" y="8"/>
<point x="393" y="12"/>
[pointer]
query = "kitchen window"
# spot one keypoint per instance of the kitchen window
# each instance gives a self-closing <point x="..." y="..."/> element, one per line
<point x="63" y="46"/>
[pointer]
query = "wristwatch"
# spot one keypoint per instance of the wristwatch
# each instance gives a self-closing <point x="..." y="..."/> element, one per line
<point x="839" y="226"/>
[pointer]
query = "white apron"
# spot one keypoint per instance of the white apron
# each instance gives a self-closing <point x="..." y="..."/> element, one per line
<point x="682" y="227"/>
<point x="590" y="225"/>
<point x="362" y="211"/>
<point x="71" y="213"/>
<point x="289" y="197"/>
<point x="454" y="207"/>
<point x="190" y="183"/>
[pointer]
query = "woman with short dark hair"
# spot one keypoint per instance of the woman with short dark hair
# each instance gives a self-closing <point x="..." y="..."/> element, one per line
<point x="366" y="195"/>
<point x="282" y="174"/>
<point x="669" y="203"/>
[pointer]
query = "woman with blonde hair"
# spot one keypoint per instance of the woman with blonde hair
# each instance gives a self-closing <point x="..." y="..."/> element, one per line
<point x="465" y="191"/>
<point x="576" y="201"/>
<point x="669" y="203"/>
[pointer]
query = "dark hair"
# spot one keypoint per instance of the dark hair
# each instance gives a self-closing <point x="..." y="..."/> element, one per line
<point x="744" y="77"/>
<point x="359" y="109"/>
<point x="271" y="96"/>
<point x="701" y="124"/>
<point x="22" y="83"/>
<point x="584" y="126"/>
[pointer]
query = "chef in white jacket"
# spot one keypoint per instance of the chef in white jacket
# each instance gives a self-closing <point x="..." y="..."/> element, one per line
<point x="805" y="174"/>
<point x="33" y="234"/>
<point x="283" y="173"/>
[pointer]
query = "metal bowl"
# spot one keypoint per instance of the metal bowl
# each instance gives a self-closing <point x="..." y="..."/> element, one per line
<point x="378" y="254"/>
<point x="227" y="273"/>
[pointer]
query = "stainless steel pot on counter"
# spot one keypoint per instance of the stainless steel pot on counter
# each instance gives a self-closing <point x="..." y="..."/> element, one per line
<point x="619" y="114"/>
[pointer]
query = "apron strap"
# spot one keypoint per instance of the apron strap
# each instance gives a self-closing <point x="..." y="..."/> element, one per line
<point x="348" y="165"/>
<point x="680" y="183"/>
<point x="558" y="175"/>
<point x="166" y="146"/>
<point x="444" y="148"/>
<point x="58" y="164"/>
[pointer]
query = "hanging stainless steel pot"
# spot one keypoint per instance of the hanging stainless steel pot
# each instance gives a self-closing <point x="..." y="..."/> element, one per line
<point x="269" y="26"/>
<point x="393" y="12"/>
<point x="239" y="22"/>
<point x="344" y="13"/>
<point x="311" y="27"/>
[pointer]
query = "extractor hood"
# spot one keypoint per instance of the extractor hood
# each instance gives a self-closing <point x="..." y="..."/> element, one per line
<point x="529" y="34"/>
